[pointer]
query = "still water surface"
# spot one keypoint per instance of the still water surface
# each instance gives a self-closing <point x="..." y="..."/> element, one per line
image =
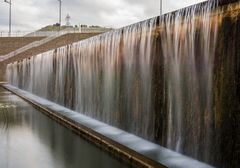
<point x="29" y="139"/>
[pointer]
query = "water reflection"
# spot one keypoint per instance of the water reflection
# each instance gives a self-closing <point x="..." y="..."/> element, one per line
<point x="30" y="139"/>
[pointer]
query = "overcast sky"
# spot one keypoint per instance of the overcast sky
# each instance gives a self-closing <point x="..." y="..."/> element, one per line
<point x="34" y="14"/>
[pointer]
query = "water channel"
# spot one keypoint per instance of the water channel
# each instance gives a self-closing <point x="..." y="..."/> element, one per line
<point x="28" y="138"/>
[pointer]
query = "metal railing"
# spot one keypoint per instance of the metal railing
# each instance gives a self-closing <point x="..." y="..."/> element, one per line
<point x="29" y="33"/>
<point x="52" y="33"/>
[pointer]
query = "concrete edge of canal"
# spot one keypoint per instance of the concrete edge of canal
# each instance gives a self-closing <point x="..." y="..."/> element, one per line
<point x="117" y="150"/>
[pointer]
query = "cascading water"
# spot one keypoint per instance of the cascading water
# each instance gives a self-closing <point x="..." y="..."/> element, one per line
<point x="155" y="79"/>
<point x="189" y="55"/>
<point x="107" y="77"/>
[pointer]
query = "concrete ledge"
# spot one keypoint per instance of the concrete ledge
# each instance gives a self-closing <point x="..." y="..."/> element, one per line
<point x="135" y="150"/>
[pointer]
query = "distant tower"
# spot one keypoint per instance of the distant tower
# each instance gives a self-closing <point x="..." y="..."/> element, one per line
<point x="67" y="19"/>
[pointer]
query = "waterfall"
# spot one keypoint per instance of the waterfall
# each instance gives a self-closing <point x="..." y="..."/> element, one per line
<point x="107" y="77"/>
<point x="157" y="79"/>
<point x="189" y="55"/>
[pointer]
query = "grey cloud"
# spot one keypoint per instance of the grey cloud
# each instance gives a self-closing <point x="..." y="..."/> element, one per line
<point x="33" y="14"/>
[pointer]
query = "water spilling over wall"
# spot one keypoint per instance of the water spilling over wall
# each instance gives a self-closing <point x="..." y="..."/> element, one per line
<point x="173" y="80"/>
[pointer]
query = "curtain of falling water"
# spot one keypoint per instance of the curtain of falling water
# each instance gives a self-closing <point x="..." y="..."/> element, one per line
<point x="188" y="45"/>
<point x="107" y="77"/>
<point x="155" y="82"/>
